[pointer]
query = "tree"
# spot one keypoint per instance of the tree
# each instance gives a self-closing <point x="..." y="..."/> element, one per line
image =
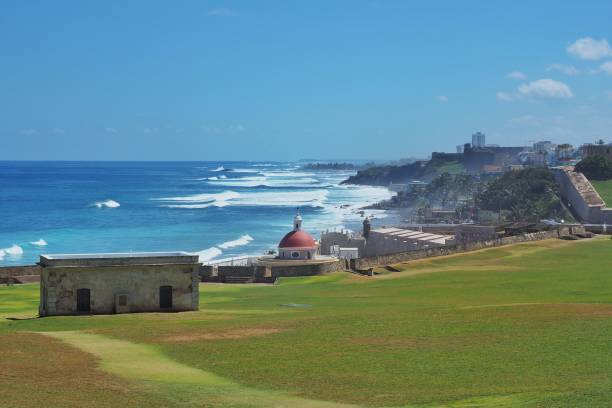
<point x="524" y="195"/>
<point x="595" y="167"/>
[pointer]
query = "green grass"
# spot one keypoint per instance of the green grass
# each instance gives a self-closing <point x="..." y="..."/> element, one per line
<point x="604" y="188"/>
<point x="526" y="325"/>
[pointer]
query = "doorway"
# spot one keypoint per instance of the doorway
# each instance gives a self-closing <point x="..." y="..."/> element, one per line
<point x="83" y="301"/>
<point x="165" y="297"/>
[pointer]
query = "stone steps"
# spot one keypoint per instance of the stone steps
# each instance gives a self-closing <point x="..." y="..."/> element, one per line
<point x="238" y="279"/>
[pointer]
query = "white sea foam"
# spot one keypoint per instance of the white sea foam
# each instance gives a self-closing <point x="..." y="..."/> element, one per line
<point x="213" y="252"/>
<point x="40" y="242"/>
<point x="244" y="171"/>
<point x="287" y="174"/>
<point x="261" y="181"/>
<point x="107" y="204"/>
<point x="13" y="251"/>
<point x="2" y="254"/>
<point x="306" y="198"/>
<point x="220" y="168"/>
<point x="208" y="254"/>
<point x="243" y="240"/>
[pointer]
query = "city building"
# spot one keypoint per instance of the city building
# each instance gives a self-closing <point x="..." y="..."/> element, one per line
<point x="118" y="283"/>
<point x="544" y="146"/>
<point x="564" y="152"/>
<point x="478" y="140"/>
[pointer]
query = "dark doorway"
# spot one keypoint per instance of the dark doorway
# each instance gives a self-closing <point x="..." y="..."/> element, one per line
<point x="165" y="297"/>
<point x="83" y="301"/>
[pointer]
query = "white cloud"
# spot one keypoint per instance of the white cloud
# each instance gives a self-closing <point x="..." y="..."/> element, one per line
<point x="590" y="49"/>
<point x="110" y="130"/>
<point x="59" y="131"/>
<point x="546" y="88"/>
<point x="517" y="75"/>
<point x="221" y="12"/>
<point x="566" y="69"/>
<point x="505" y="97"/>
<point x="27" y="132"/>
<point x="235" y="128"/>
<point x="606" y="67"/>
<point x="442" y="98"/>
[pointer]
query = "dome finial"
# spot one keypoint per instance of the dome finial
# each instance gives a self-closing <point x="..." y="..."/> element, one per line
<point x="297" y="221"/>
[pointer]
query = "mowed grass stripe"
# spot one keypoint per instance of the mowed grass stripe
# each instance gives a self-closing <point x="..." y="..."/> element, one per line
<point x="144" y="363"/>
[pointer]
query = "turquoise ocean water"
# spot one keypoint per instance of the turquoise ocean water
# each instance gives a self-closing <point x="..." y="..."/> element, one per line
<point x="216" y="209"/>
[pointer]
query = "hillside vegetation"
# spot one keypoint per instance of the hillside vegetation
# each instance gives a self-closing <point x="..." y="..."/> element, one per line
<point x="524" y="195"/>
<point x="595" y="168"/>
<point x="446" y="191"/>
<point x="521" y="326"/>
<point x="419" y="170"/>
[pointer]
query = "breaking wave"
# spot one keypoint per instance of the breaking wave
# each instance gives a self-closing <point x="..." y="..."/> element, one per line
<point x="213" y="252"/>
<point x="308" y="198"/>
<point x="220" y="168"/>
<point x="243" y="240"/>
<point x="208" y="254"/>
<point x="40" y="242"/>
<point x="287" y="174"/>
<point x="262" y="181"/>
<point x="106" y="204"/>
<point x="14" y="251"/>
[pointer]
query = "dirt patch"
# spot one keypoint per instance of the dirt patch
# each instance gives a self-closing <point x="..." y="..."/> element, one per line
<point x="37" y="371"/>
<point x="224" y="335"/>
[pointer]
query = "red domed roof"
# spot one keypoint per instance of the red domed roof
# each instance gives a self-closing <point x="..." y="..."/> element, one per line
<point x="297" y="239"/>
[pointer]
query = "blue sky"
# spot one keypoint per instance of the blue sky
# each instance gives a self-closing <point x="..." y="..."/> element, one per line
<point x="263" y="80"/>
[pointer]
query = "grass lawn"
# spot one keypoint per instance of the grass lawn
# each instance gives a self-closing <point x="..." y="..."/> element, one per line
<point x="604" y="188"/>
<point x="524" y="325"/>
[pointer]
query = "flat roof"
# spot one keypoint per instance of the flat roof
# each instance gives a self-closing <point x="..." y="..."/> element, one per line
<point x="118" y="259"/>
<point x="114" y="255"/>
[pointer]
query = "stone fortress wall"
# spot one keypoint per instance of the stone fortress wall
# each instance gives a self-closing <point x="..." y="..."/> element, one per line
<point x="271" y="270"/>
<point x="366" y="263"/>
<point x="19" y="274"/>
<point x="582" y="198"/>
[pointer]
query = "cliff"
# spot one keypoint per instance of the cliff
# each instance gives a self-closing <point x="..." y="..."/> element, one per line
<point x="423" y="170"/>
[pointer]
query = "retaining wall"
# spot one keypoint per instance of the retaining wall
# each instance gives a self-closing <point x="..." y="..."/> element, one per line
<point x="584" y="201"/>
<point x="10" y="273"/>
<point x="383" y="260"/>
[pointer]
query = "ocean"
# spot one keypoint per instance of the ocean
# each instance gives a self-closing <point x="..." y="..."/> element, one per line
<point x="218" y="210"/>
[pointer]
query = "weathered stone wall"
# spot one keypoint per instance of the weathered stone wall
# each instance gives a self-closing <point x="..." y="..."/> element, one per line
<point x="140" y="282"/>
<point x="380" y="243"/>
<point x="272" y="269"/>
<point x="340" y="238"/>
<point x="8" y="273"/>
<point x="383" y="260"/>
<point x="308" y="269"/>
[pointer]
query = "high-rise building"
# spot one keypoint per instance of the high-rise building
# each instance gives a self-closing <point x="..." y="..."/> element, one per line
<point x="478" y="140"/>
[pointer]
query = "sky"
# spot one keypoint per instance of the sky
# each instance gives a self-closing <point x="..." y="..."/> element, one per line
<point x="288" y="80"/>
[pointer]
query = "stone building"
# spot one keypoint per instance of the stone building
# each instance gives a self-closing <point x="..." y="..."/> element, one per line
<point x="381" y="241"/>
<point x="118" y="283"/>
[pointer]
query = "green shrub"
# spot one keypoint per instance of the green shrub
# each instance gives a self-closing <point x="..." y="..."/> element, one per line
<point x="596" y="168"/>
